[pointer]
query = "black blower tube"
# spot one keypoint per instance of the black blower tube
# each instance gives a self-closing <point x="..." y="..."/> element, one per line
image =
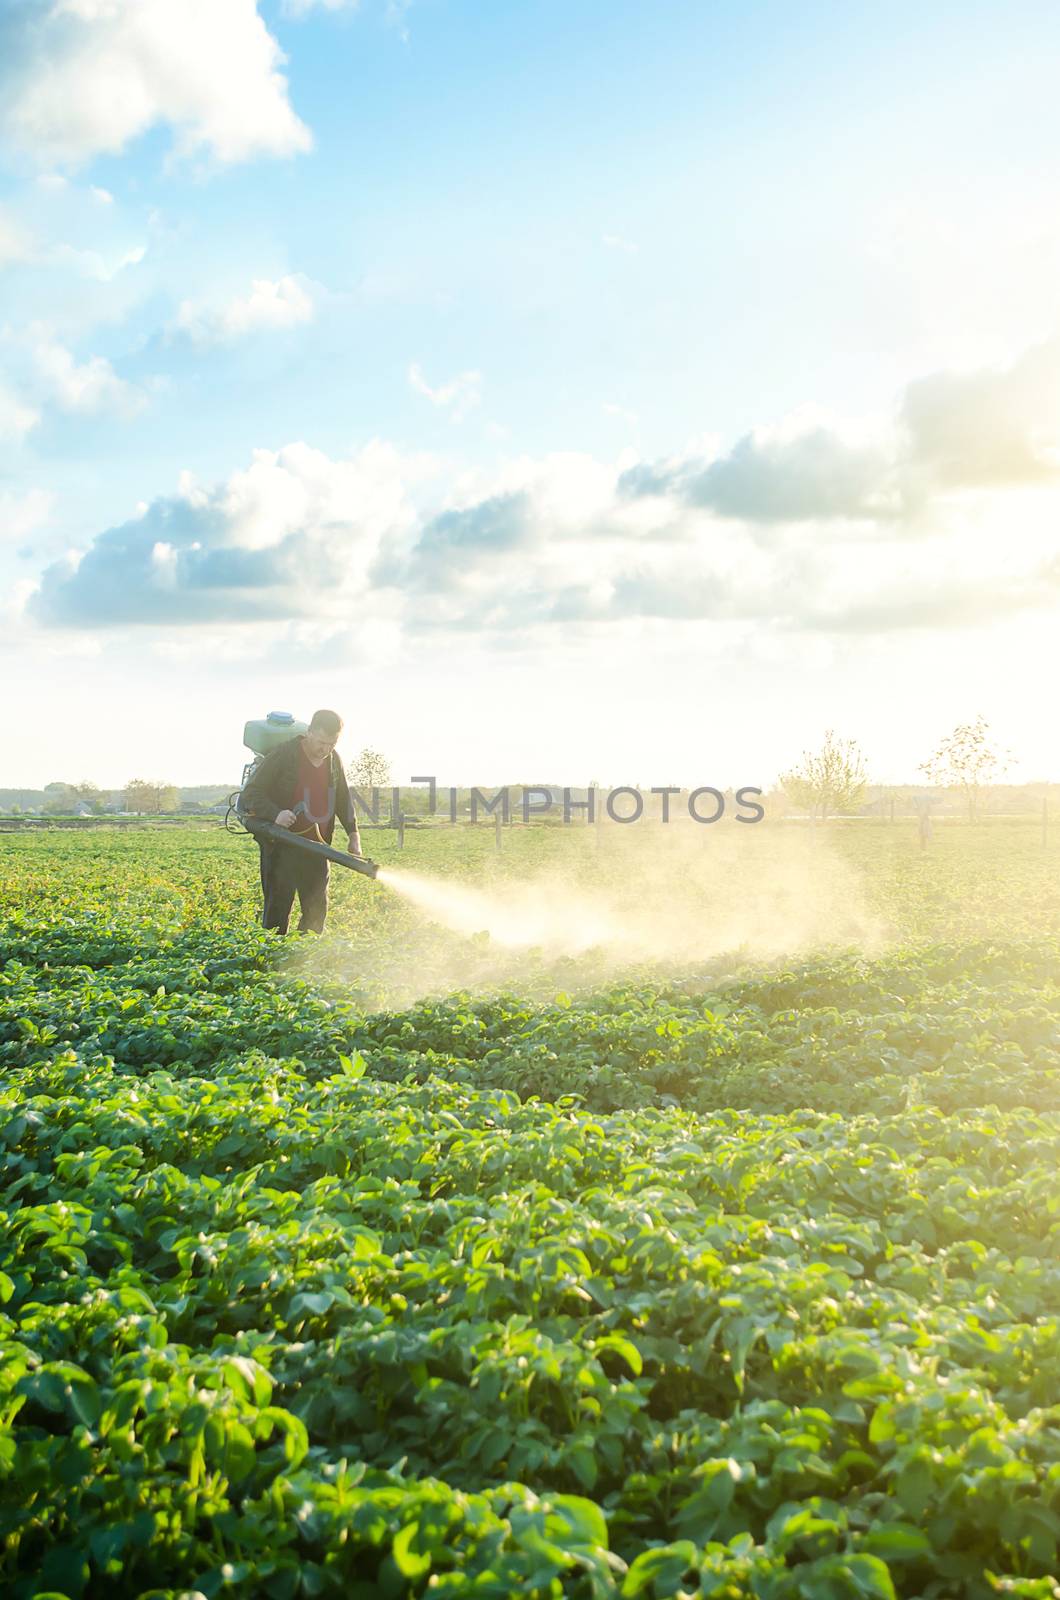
<point x="269" y="830"/>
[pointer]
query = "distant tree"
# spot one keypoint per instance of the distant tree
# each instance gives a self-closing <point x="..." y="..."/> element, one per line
<point x="966" y="760"/>
<point x="141" y="795"/>
<point x="60" y="799"/>
<point x="832" y="780"/>
<point x="369" y="770"/>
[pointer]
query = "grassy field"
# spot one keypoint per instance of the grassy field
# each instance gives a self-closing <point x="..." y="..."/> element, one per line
<point x="717" y="1258"/>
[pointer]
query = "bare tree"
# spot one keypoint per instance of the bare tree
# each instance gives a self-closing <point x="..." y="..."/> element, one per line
<point x="966" y="760"/>
<point x="832" y="780"/>
<point x="370" y="770"/>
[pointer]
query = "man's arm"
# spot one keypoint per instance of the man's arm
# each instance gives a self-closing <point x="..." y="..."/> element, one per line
<point x="258" y="796"/>
<point x="344" y="809"/>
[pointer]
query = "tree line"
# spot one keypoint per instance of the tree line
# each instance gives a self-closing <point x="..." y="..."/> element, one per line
<point x="827" y="782"/>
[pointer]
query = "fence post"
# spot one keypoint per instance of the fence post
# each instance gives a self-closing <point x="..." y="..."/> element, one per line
<point x="401" y="830"/>
<point x="497" y="830"/>
<point x="925" y="827"/>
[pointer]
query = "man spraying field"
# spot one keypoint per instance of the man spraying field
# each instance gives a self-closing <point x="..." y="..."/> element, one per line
<point x="300" y="785"/>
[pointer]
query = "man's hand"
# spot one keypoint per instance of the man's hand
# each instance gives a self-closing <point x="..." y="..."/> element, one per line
<point x="285" y="819"/>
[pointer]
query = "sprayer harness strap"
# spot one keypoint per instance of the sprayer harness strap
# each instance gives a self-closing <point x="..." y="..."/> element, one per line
<point x="271" y="785"/>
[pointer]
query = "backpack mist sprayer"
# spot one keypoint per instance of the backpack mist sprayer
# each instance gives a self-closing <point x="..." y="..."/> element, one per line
<point x="261" y="737"/>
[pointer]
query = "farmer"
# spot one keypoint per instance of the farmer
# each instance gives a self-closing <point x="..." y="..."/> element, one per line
<point x="301" y="785"/>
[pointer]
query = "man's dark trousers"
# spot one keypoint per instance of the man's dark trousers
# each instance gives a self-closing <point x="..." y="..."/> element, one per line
<point x="286" y="871"/>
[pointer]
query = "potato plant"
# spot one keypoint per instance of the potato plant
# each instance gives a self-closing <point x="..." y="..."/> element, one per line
<point x="735" y="1280"/>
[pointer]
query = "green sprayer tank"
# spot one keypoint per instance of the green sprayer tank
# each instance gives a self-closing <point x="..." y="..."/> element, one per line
<point x="266" y="733"/>
<point x="261" y="736"/>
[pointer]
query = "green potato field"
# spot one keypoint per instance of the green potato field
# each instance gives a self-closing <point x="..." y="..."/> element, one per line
<point x="717" y="1257"/>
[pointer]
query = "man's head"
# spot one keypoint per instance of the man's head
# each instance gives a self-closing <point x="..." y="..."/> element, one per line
<point x="323" y="734"/>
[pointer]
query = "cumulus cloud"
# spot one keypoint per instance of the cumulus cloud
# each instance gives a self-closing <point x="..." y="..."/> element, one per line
<point x="454" y="547"/>
<point x="541" y="547"/>
<point x="43" y="375"/>
<point x="174" y="556"/>
<point x="291" y="536"/>
<point x="84" y="388"/>
<point x="80" y="78"/>
<point x="951" y="430"/>
<point x="987" y="427"/>
<point x="459" y="396"/>
<point x="284" y="303"/>
<point x="800" y="471"/>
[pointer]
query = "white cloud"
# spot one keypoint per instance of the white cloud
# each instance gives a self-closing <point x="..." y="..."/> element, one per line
<point x="459" y="396"/>
<point x="90" y="263"/>
<point x="301" y="8"/>
<point x="17" y="417"/>
<point x="20" y="514"/>
<point x="953" y="431"/>
<point x="294" y="535"/>
<point x="615" y="241"/>
<point x="283" y="303"/>
<point x="84" y="388"/>
<point x="612" y="409"/>
<point x="15" y="243"/>
<point x="85" y="77"/>
<point x="786" y="532"/>
<point x="18" y="246"/>
<point x="540" y="549"/>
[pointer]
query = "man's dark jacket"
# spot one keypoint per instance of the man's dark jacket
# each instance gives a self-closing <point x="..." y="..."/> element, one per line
<point x="271" y="789"/>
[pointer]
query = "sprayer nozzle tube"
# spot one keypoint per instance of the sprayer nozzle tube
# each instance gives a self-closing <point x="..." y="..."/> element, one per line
<point x="269" y="830"/>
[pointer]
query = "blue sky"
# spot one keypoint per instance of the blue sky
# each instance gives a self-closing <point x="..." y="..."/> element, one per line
<point x="567" y="390"/>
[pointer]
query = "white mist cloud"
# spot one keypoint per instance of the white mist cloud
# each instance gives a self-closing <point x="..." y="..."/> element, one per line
<point x="92" y="263"/>
<point x="17" y="417"/>
<point x="459" y="396"/>
<point x="20" y="514"/>
<point x="15" y="242"/>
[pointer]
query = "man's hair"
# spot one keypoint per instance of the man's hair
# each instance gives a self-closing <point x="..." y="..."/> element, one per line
<point x="328" y="722"/>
